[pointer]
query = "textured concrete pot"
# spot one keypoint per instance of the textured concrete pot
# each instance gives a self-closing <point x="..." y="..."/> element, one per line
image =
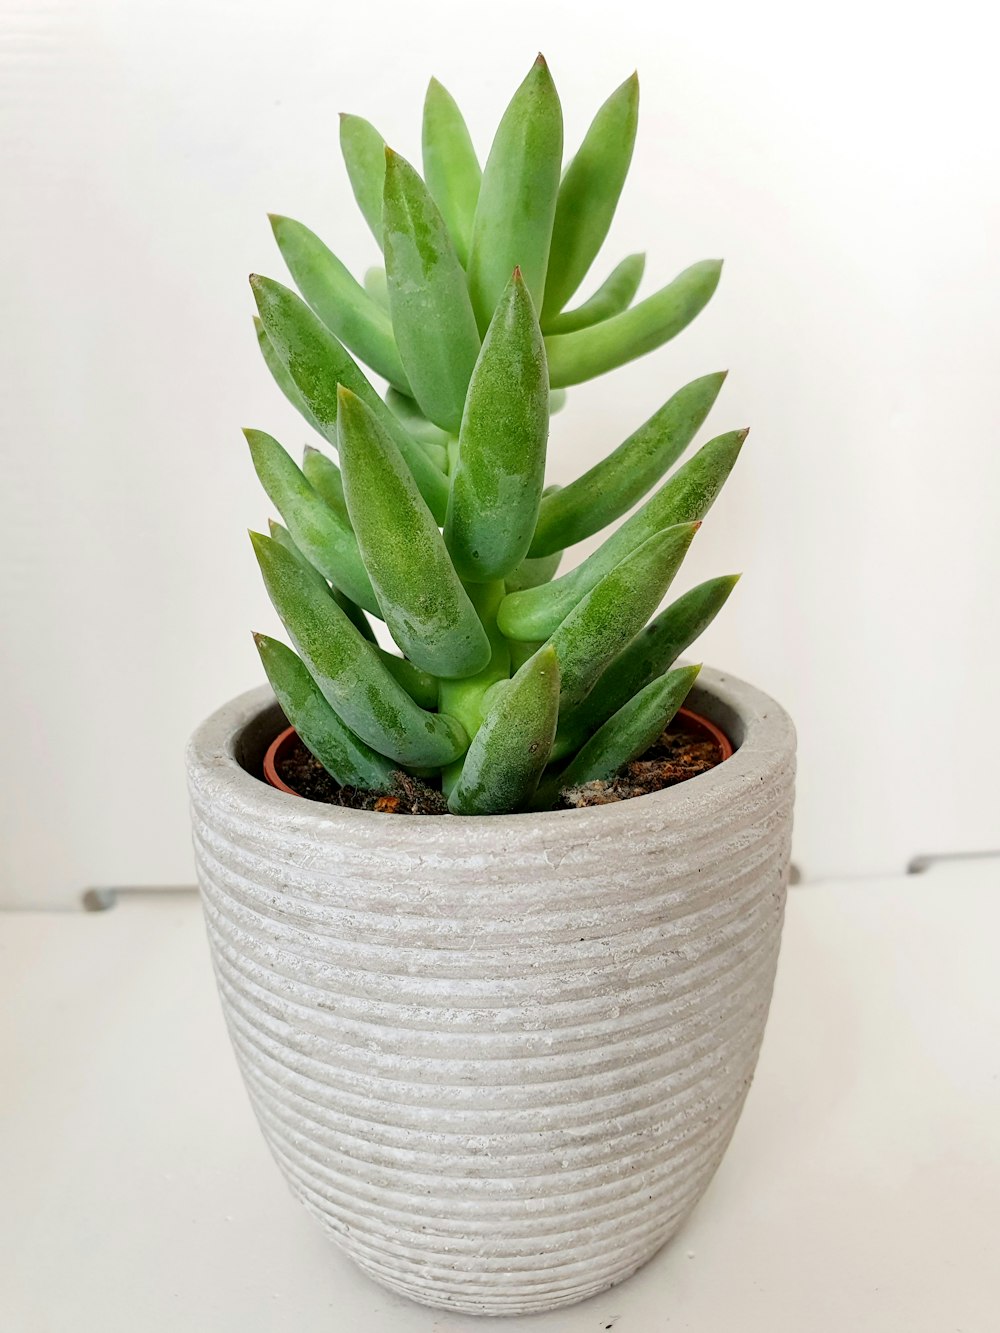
<point x="498" y="1058"/>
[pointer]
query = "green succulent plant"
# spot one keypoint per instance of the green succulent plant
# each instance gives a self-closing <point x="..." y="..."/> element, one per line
<point x="510" y="682"/>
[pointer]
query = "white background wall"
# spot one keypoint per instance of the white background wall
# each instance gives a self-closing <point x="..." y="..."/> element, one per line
<point x="843" y="160"/>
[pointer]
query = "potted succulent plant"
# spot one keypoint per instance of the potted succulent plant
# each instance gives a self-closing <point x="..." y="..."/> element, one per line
<point x="498" y="1039"/>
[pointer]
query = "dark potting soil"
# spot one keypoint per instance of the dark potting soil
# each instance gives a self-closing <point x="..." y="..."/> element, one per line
<point x="677" y="755"/>
<point x="406" y="796"/>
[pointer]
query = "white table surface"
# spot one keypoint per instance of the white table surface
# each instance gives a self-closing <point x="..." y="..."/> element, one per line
<point x="861" y="1191"/>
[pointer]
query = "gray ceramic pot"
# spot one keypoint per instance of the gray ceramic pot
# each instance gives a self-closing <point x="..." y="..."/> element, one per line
<point x="498" y="1058"/>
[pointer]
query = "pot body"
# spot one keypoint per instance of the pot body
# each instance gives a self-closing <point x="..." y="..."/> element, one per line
<point x="499" y="1058"/>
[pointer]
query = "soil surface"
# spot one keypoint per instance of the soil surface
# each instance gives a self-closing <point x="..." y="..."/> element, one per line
<point x="406" y="796"/>
<point x="675" y="757"/>
<point x="678" y="755"/>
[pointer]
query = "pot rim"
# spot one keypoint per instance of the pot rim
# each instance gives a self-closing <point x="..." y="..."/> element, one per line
<point x="762" y="734"/>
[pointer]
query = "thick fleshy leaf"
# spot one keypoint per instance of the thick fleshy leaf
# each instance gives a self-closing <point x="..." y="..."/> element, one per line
<point x="685" y="497"/>
<point x="465" y="699"/>
<point x="612" y="297"/>
<point x="279" y="371"/>
<point x="646" y="658"/>
<point x="360" y="621"/>
<point x="323" y="475"/>
<point x="339" y="299"/>
<point x="284" y="538"/>
<point x="631" y="731"/>
<point x="351" y="609"/>
<point x="318" y="362"/>
<point x="433" y="439"/>
<point x="322" y="535"/>
<point x="345" y="757"/>
<point x="428" y="296"/>
<point x="589" y="193"/>
<point x="349" y="672"/>
<point x="614" y="611"/>
<point x="421" y="686"/>
<point x="451" y="168"/>
<point x="575" y="357"/>
<point x="617" y="482"/>
<point x="364" y="156"/>
<point x="497" y="483"/>
<point x="533" y="573"/>
<point x="375" y="286"/>
<point x="510" y="749"/>
<point x="421" y="597"/>
<point x="517" y="199"/>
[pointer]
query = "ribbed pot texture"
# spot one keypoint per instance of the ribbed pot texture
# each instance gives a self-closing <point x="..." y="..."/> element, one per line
<point x="499" y="1058"/>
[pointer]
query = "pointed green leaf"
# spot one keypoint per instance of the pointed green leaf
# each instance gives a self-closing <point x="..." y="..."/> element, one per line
<point x="323" y="475"/>
<point x="284" y="538"/>
<point x="375" y="286"/>
<point x="348" y="671"/>
<point x="345" y="757"/>
<point x="464" y="699"/>
<point x="617" y="482"/>
<point x="575" y="357"/>
<point x="340" y="301"/>
<point x="433" y="438"/>
<point x="517" y="199"/>
<point x="685" y="497"/>
<point x="421" y="596"/>
<point x="317" y="363"/>
<point x="281" y="376"/>
<point x="497" y="483"/>
<point x="364" y="156"/>
<point x="533" y="573"/>
<point x="615" y="610"/>
<point x="421" y="686"/>
<point x="510" y="750"/>
<point x="428" y="297"/>
<point x="589" y="193"/>
<point x="351" y="609"/>
<point x="632" y="730"/>
<point x="612" y="297"/>
<point x="451" y="167"/>
<point x="359" y="620"/>
<point x="319" y="532"/>
<point x="646" y="658"/>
